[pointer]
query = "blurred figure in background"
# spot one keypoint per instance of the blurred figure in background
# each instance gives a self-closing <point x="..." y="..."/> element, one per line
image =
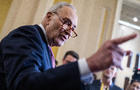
<point x="135" y="82"/>
<point x="70" y="56"/>
<point x="106" y="82"/>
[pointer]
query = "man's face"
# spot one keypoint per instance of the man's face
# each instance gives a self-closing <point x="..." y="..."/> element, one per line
<point x="110" y="72"/>
<point x="60" y="24"/>
<point x="69" y="59"/>
<point x="135" y="86"/>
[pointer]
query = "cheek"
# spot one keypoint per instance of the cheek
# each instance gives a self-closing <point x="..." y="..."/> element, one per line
<point x="55" y="26"/>
<point x="56" y="29"/>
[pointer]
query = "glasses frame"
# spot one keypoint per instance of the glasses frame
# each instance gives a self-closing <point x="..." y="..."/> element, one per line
<point x="69" y="26"/>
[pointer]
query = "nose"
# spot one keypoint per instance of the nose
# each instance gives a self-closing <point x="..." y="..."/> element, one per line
<point x="68" y="32"/>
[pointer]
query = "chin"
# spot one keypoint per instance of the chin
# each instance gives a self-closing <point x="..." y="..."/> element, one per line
<point x="106" y="75"/>
<point x="60" y="43"/>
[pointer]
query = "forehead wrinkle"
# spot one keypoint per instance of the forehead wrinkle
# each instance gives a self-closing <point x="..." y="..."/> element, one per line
<point x="67" y="12"/>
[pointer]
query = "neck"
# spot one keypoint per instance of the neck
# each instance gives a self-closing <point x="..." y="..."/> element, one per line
<point x="106" y="81"/>
<point x="49" y="41"/>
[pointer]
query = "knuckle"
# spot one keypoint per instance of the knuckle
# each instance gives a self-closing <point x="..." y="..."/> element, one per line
<point x="108" y="44"/>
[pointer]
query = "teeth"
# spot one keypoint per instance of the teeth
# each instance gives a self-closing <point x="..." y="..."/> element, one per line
<point x="64" y="37"/>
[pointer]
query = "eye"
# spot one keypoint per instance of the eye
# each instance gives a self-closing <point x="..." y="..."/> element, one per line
<point x="67" y="21"/>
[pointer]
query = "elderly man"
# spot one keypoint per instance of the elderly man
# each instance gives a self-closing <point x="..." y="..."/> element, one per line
<point x="27" y="63"/>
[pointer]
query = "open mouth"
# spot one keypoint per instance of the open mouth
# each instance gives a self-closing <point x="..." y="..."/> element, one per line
<point x="63" y="38"/>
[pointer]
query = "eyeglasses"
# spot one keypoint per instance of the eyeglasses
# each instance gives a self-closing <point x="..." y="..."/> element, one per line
<point x="67" y="25"/>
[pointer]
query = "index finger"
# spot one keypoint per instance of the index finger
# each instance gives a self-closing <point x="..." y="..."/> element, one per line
<point x="124" y="39"/>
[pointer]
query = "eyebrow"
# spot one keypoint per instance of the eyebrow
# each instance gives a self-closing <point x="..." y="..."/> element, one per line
<point x="71" y="22"/>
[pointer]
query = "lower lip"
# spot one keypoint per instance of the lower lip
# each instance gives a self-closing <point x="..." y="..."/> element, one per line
<point x="62" y="38"/>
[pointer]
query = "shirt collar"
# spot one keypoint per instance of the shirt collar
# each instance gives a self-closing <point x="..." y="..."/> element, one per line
<point x="109" y="83"/>
<point x="43" y="29"/>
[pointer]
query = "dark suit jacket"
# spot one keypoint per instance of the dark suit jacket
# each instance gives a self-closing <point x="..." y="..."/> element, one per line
<point x="96" y="85"/>
<point x="25" y="63"/>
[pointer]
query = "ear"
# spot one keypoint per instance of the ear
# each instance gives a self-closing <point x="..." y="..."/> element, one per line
<point x="48" y="17"/>
<point x="63" y="61"/>
<point x="49" y="14"/>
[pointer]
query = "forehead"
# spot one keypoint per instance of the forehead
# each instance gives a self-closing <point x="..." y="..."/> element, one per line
<point x="113" y="68"/>
<point x="68" y="12"/>
<point x="136" y="83"/>
<point x="69" y="57"/>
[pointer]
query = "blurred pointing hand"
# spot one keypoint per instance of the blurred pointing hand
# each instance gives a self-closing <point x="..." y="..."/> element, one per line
<point x="109" y="54"/>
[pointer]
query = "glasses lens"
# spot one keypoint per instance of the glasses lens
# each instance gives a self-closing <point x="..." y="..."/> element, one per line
<point x="69" y="28"/>
<point x="67" y="25"/>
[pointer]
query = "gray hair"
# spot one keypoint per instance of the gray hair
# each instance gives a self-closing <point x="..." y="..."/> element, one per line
<point x="60" y="5"/>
